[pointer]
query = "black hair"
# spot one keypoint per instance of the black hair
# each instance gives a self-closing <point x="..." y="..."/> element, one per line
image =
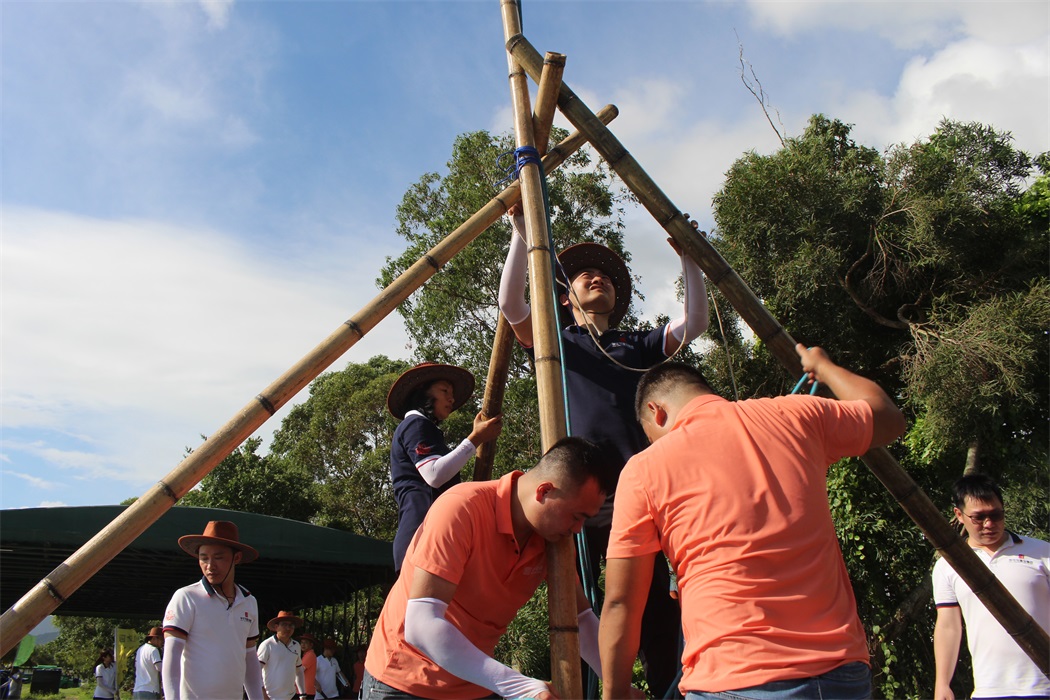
<point x="978" y="486"/>
<point x="663" y="378"/>
<point x="580" y="460"/>
<point x="103" y="654"/>
<point x="420" y="401"/>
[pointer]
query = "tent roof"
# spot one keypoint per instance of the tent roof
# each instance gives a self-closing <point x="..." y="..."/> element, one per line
<point x="299" y="566"/>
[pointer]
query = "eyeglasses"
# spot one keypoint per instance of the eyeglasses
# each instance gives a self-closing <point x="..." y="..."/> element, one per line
<point x="979" y="518"/>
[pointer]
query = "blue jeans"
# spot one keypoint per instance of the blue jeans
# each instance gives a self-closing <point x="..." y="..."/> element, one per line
<point x="372" y="689"/>
<point x="850" y="681"/>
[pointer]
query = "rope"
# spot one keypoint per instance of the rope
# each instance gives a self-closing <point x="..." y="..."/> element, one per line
<point x="725" y="345"/>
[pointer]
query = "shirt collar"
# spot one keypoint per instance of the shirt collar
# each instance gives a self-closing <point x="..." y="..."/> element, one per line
<point x="504" y="491"/>
<point x="695" y="404"/>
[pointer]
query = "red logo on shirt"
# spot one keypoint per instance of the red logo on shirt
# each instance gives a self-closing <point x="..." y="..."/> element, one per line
<point x="423" y="449"/>
<point x="170" y="615"/>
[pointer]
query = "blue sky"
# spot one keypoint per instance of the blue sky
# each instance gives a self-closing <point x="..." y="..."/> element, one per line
<point x="195" y="194"/>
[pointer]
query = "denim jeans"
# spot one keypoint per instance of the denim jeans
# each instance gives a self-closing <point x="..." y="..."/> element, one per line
<point x="850" y="681"/>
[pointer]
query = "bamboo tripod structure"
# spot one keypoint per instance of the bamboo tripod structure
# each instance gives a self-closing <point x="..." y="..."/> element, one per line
<point x="1015" y="619"/>
<point x="50" y="592"/>
<point x="61" y="583"/>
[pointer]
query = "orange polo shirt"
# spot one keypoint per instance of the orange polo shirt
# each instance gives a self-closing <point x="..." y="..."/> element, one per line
<point x="467" y="538"/>
<point x="736" y="496"/>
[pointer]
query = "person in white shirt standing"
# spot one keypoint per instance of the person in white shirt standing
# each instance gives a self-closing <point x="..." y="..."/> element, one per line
<point x="211" y="627"/>
<point x="1000" y="667"/>
<point x="147" y="667"/>
<point x="328" y="671"/>
<point x="282" y="659"/>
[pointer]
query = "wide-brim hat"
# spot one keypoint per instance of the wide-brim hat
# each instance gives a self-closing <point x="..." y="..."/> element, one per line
<point x="307" y="637"/>
<point x="155" y="632"/>
<point x="284" y="616"/>
<point x="462" y="382"/>
<point x="331" y="644"/>
<point x="219" y="532"/>
<point x="583" y="255"/>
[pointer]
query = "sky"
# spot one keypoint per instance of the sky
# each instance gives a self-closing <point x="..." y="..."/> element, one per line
<point x="196" y="193"/>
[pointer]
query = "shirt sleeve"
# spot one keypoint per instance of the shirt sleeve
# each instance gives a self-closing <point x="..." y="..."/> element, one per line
<point x="264" y="653"/>
<point x="844" y="427"/>
<point x="943" y="588"/>
<point x="444" y="540"/>
<point x="634" y="531"/>
<point x="423" y="440"/>
<point x="180" y="612"/>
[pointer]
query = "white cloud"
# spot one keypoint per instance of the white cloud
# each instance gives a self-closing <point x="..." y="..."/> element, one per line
<point x="126" y="340"/>
<point x="907" y="25"/>
<point x="972" y="80"/>
<point x="218" y="12"/>
<point x="52" y="504"/>
<point x="32" y="480"/>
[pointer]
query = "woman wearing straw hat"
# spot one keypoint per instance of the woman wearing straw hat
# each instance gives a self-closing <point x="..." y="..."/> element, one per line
<point x="308" y="642"/>
<point x="422" y="466"/>
<point x="211" y="627"/>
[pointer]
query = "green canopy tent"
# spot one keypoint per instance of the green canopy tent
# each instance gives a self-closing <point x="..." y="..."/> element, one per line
<point x="300" y="566"/>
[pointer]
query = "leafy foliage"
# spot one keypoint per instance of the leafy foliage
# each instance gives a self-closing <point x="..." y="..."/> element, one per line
<point x="924" y="269"/>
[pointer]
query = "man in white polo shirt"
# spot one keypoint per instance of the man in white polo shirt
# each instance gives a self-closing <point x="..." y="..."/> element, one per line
<point x="1022" y="564"/>
<point x="282" y="659"/>
<point x="211" y="627"/>
<point x="147" y="667"/>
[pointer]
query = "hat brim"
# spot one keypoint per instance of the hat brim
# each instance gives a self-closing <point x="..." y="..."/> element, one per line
<point x="190" y="544"/>
<point x="462" y="382"/>
<point x="584" y="255"/>
<point x="272" y="624"/>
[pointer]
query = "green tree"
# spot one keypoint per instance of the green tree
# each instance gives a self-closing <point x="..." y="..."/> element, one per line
<point x="81" y="639"/>
<point x="254" y="483"/>
<point x="925" y="269"/>
<point x="340" y="438"/>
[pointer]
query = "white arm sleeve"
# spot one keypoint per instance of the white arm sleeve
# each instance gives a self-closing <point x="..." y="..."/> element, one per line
<point x="694" y="322"/>
<point x="439" y="470"/>
<point x="588" y="623"/>
<point x="300" y="680"/>
<point x="515" y="270"/>
<point x="427" y="630"/>
<point x="253" y="683"/>
<point x="171" y="673"/>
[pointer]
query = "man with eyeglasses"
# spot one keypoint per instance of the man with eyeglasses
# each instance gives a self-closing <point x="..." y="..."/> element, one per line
<point x="1000" y="668"/>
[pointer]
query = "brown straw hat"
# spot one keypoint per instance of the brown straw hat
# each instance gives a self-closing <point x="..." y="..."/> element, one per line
<point x="462" y="382"/>
<point x="284" y="616"/>
<point x="330" y="644"/>
<point x="155" y="632"/>
<point x="219" y="532"/>
<point x="307" y="637"/>
<point x="583" y="255"/>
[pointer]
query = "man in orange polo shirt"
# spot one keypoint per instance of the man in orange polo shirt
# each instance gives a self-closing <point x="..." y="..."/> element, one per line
<point x="735" y="494"/>
<point x="477" y="558"/>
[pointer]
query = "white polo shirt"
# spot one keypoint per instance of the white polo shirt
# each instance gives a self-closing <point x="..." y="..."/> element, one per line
<point x="147" y="677"/>
<point x="216" y="636"/>
<point x="279" y="664"/>
<point x="1000" y="667"/>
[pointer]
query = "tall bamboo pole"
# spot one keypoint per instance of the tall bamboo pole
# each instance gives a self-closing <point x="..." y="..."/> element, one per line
<point x="503" y="341"/>
<point x="57" y="586"/>
<point x="1015" y="619"/>
<point x="561" y="574"/>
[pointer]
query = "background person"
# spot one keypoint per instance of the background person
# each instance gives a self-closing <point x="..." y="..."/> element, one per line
<point x="328" y="673"/>
<point x="422" y="466"/>
<point x="1000" y="667"/>
<point x="735" y="494"/>
<point x="211" y="627"/>
<point x="105" y="676"/>
<point x="307" y="642"/>
<point x="281" y="659"/>
<point x="148" y="666"/>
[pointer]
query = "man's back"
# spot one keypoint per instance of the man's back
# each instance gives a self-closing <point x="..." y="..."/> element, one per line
<point x="736" y="493"/>
<point x="147" y="676"/>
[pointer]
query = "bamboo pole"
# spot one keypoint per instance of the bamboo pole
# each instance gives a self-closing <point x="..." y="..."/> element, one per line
<point x="61" y="583"/>
<point x="1015" y="619"/>
<point x="495" y="388"/>
<point x="561" y="570"/>
<point x="503" y="342"/>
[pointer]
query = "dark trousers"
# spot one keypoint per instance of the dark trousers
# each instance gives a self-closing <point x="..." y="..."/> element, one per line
<point x="661" y="621"/>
